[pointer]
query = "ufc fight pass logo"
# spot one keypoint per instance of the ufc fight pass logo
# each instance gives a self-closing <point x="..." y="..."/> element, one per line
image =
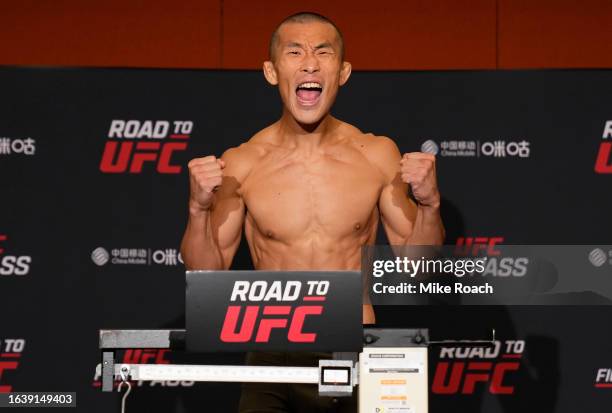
<point x="462" y="369"/>
<point x="143" y="356"/>
<point x="272" y="306"/>
<point x="497" y="265"/>
<point x="603" y="378"/>
<point x="603" y="163"/>
<point x="13" y="264"/>
<point x="132" y="144"/>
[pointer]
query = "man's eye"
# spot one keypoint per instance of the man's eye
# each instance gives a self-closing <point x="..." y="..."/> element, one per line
<point x="294" y="52"/>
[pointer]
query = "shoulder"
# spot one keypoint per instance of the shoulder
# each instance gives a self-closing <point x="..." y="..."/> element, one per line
<point x="372" y="146"/>
<point x="240" y="160"/>
<point x="380" y="151"/>
<point x="379" y="148"/>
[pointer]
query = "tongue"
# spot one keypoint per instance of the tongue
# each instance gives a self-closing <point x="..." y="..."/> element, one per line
<point x="308" y="95"/>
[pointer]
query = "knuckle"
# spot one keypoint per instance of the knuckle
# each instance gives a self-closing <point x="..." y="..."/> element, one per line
<point x="193" y="173"/>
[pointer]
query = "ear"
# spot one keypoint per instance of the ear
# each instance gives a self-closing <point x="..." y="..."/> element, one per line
<point x="270" y="73"/>
<point x="345" y="72"/>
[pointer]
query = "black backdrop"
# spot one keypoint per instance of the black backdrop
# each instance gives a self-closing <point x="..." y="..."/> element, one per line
<point x="57" y="208"/>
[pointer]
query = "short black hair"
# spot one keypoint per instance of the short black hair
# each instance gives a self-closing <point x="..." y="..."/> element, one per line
<point x="304" y="17"/>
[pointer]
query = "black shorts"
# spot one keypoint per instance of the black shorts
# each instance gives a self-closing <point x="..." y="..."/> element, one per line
<point x="290" y="398"/>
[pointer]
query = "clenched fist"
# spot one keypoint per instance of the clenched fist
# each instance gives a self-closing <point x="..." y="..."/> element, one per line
<point x="418" y="170"/>
<point x="205" y="176"/>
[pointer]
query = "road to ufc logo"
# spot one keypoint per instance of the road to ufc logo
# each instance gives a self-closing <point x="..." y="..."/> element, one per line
<point x="10" y="353"/>
<point x="251" y="316"/>
<point x="280" y="316"/>
<point x="603" y="164"/>
<point x="126" y="155"/>
<point x="464" y="376"/>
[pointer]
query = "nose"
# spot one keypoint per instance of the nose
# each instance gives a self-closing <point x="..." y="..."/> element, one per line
<point x="310" y="64"/>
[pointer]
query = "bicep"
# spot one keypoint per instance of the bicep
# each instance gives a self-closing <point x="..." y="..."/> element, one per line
<point x="398" y="212"/>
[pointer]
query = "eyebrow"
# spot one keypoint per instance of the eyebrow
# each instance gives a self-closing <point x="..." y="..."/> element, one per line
<point x="293" y="44"/>
<point x="323" y="45"/>
<point x="319" y="46"/>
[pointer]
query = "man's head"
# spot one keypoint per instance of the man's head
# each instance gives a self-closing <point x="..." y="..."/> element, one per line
<point x="307" y="63"/>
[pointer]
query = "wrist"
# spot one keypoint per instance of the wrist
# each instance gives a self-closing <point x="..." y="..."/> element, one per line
<point x="431" y="205"/>
<point x="196" y="210"/>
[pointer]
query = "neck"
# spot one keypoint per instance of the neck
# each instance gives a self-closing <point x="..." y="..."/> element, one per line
<point x="305" y="136"/>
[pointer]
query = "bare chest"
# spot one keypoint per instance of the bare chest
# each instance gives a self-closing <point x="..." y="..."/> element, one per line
<point x="287" y="198"/>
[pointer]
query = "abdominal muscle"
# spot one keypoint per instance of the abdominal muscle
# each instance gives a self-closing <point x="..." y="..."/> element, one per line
<point x="311" y="252"/>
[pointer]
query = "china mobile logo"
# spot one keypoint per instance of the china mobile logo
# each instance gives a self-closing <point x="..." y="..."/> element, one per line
<point x="143" y="356"/>
<point x="603" y="164"/>
<point x="603" y="378"/>
<point x="461" y="148"/>
<point x="258" y="321"/>
<point x="461" y="369"/>
<point x="132" y="143"/>
<point x="13" y="264"/>
<point x="136" y="256"/>
<point x="10" y="354"/>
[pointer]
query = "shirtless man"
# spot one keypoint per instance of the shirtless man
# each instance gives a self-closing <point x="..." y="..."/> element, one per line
<point x="308" y="189"/>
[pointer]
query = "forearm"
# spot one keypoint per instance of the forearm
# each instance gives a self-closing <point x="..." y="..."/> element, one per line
<point x="199" y="248"/>
<point x="428" y="228"/>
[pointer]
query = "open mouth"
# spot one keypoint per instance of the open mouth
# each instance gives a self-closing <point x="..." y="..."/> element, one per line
<point x="308" y="92"/>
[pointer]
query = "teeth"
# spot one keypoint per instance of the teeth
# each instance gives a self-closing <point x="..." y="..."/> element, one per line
<point x="309" y="85"/>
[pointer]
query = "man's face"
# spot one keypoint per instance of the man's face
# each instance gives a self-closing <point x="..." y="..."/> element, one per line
<point x="307" y="69"/>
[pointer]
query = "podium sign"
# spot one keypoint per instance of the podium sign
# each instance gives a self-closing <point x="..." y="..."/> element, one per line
<point x="234" y="311"/>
